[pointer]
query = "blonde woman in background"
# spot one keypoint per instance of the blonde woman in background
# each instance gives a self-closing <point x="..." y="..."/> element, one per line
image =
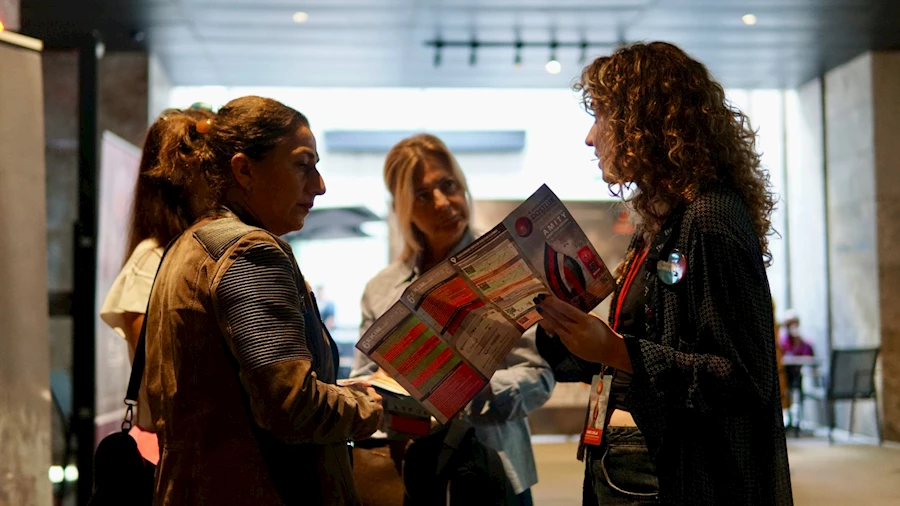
<point x="431" y="202"/>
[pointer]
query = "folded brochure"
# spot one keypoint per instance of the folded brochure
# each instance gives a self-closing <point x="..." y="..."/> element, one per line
<point x="452" y="327"/>
<point x="402" y="413"/>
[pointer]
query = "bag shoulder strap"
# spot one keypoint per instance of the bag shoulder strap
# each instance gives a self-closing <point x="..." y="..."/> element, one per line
<point x="140" y="356"/>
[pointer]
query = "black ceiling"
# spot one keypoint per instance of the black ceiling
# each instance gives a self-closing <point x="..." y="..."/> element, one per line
<point x="383" y="42"/>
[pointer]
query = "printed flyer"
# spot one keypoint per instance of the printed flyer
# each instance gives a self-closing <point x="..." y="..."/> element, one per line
<point x="452" y="327"/>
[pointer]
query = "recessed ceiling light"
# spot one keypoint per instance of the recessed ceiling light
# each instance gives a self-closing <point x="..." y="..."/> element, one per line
<point x="301" y="17"/>
<point x="553" y="67"/>
<point x="749" y="19"/>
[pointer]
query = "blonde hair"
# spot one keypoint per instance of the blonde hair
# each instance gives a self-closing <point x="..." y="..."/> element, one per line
<point x="400" y="166"/>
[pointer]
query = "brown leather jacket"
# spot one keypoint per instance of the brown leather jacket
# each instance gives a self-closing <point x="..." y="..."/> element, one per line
<point x="240" y="375"/>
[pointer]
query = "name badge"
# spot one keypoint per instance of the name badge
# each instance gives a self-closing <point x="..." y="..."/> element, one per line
<point x="673" y="269"/>
<point x="596" y="415"/>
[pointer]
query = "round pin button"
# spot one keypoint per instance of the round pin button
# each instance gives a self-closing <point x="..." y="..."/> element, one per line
<point x="673" y="269"/>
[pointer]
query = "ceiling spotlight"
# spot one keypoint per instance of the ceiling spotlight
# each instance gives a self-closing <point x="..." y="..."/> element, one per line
<point x="438" y="45"/>
<point x="749" y="19"/>
<point x="553" y="66"/>
<point x="582" y="58"/>
<point x="300" y="17"/>
<point x="473" y="58"/>
<point x="1" y="26"/>
<point x="518" y="61"/>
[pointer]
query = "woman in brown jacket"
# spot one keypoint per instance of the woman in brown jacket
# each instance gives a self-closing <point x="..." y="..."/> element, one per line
<point x="240" y="370"/>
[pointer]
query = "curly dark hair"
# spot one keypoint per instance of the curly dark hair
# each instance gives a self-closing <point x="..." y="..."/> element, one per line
<point x="668" y="128"/>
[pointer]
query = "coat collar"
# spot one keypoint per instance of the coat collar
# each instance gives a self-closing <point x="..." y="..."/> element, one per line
<point x="239" y="212"/>
<point x="663" y="239"/>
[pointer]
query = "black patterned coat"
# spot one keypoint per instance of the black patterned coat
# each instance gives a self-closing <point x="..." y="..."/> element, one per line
<point x="705" y="386"/>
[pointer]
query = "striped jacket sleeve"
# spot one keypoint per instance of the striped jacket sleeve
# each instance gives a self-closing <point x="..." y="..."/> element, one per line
<point x="259" y="305"/>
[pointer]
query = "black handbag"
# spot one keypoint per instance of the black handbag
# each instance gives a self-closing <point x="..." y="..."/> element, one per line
<point x="121" y="474"/>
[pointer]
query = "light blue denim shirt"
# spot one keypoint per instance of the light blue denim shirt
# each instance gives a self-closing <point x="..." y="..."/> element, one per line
<point x="522" y="384"/>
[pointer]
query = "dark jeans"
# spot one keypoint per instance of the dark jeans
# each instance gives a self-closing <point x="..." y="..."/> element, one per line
<point x="620" y="471"/>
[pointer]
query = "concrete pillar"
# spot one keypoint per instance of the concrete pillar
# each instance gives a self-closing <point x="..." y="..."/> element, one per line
<point x="862" y="126"/>
<point x="850" y="159"/>
<point x="886" y="107"/>
<point x="24" y="354"/>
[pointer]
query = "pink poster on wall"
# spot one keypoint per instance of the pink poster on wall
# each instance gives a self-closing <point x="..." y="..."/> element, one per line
<point x="119" y="161"/>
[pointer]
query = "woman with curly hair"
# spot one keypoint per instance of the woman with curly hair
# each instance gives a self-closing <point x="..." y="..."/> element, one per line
<point x="694" y="415"/>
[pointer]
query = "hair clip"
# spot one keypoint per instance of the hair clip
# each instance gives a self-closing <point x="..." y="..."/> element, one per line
<point x="204" y="126"/>
<point x="202" y="106"/>
<point x="169" y="112"/>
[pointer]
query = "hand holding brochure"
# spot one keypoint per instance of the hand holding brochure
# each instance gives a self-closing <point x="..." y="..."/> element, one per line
<point x="403" y="415"/>
<point x="452" y="327"/>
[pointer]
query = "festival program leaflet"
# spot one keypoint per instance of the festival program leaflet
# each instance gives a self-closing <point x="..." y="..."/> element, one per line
<point x="452" y="327"/>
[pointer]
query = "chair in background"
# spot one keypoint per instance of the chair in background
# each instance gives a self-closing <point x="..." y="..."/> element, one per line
<point x="851" y="378"/>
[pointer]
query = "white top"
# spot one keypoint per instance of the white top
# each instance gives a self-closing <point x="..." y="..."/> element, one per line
<point x="130" y="293"/>
<point x="131" y="289"/>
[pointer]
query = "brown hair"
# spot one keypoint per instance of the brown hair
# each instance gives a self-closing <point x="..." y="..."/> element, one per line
<point x="250" y="125"/>
<point x="400" y="166"/>
<point x="162" y="202"/>
<point x="670" y="130"/>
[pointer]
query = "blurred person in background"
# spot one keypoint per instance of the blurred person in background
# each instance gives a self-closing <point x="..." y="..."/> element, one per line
<point x="793" y="345"/>
<point x="792" y="341"/>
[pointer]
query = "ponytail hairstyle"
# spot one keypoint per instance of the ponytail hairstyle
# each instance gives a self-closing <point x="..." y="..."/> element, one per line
<point x="250" y="125"/>
<point x="163" y="205"/>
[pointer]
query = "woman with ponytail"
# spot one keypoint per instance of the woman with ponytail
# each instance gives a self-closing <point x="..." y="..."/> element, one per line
<point x="168" y="197"/>
<point x="241" y="372"/>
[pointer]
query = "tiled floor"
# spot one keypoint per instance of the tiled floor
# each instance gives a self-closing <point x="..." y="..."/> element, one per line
<point x="822" y="475"/>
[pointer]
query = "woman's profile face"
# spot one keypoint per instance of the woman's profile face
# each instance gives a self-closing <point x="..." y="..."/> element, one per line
<point x="286" y="182"/>
<point x="597" y="140"/>
<point x="440" y="210"/>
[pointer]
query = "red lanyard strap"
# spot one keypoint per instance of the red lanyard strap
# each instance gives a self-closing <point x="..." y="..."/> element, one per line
<point x="633" y="270"/>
